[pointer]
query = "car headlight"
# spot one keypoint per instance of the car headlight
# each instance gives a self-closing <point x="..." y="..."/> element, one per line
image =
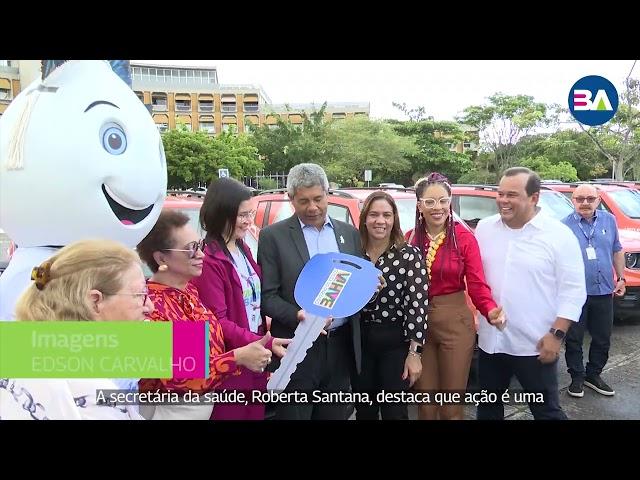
<point x="632" y="260"/>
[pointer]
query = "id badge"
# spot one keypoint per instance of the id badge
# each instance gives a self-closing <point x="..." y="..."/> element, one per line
<point x="591" y="253"/>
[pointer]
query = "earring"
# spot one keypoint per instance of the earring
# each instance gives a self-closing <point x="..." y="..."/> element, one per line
<point x="163" y="268"/>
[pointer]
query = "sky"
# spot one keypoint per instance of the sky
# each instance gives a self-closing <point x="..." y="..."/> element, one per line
<point x="443" y="87"/>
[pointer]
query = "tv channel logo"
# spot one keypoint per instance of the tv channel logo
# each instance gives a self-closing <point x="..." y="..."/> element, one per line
<point x="593" y="100"/>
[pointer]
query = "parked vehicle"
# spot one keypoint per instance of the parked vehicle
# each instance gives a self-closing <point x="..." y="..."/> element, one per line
<point x="622" y="201"/>
<point x="344" y="204"/>
<point x="475" y="202"/>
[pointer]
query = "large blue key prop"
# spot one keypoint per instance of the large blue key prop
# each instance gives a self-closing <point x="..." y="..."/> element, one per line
<point x="330" y="284"/>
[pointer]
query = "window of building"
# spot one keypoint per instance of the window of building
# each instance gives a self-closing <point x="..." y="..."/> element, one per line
<point x="5" y="89"/>
<point x="208" y="127"/>
<point x="249" y="122"/>
<point x="183" y="102"/>
<point x="162" y="127"/>
<point x="273" y="126"/>
<point x="205" y="103"/>
<point x="229" y="123"/>
<point x="466" y="144"/>
<point x="228" y="103"/>
<point x="140" y="95"/>
<point x="251" y="102"/>
<point x="251" y="106"/>
<point x="159" y="102"/>
<point x="339" y="116"/>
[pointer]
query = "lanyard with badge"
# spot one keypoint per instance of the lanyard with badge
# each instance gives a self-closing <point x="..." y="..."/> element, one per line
<point x="254" y="319"/>
<point x="590" y="250"/>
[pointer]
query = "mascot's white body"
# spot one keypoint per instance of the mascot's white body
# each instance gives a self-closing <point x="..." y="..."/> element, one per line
<point x="80" y="157"/>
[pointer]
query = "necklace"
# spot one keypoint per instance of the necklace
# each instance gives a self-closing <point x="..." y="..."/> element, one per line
<point x="434" y="245"/>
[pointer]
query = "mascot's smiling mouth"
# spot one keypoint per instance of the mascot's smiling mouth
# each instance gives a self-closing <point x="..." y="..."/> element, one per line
<point x="126" y="215"/>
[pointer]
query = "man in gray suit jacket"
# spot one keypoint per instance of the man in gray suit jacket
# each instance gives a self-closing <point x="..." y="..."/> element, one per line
<point x="283" y="250"/>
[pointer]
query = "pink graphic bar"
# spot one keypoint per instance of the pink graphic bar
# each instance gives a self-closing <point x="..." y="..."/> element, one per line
<point x="190" y="355"/>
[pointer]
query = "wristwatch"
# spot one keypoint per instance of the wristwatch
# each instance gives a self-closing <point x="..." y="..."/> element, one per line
<point x="415" y="349"/>
<point x="559" y="334"/>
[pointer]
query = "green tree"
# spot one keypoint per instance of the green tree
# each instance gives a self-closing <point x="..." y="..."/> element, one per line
<point x="548" y="171"/>
<point x="287" y="144"/>
<point x="503" y="122"/>
<point x="359" y="144"/>
<point x="194" y="158"/>
<point x="239" y="153"/>
<point x="569" y="146"/>
<point x="432" y="152"/>
<point x="478" y="174"/>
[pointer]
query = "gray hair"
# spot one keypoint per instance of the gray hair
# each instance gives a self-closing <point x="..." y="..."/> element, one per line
<point x="306" y="175"/>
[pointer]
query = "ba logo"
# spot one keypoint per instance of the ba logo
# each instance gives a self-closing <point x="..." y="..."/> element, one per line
<point x="593" y="100"/>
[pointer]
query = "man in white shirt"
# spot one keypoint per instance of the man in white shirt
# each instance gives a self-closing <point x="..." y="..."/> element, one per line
<point x="533" y="264"/>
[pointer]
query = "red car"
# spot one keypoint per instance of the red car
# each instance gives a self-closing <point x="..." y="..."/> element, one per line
<point x="345" y="204"/>
<point x="475" y="202"/>
<point x="621" y="201"/>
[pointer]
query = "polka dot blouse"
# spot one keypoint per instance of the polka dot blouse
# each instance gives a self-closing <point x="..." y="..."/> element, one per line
<point x="403" y="300"/>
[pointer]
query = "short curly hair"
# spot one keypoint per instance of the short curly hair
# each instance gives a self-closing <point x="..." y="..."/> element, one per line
<point x="161" y="236"/>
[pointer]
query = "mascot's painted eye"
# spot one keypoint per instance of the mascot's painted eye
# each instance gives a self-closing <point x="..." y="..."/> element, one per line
<point x="114" y="140"/>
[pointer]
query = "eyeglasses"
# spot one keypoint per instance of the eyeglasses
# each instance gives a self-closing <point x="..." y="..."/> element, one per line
<point x="247" y="215"/>
<point x="192" y="248"/>
<point x="144" y="295"/>
<point x="582" y="199"/>
<point x="444" y="202"/>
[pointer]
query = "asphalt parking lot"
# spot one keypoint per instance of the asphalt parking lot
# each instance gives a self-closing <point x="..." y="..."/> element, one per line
<point x="622" y="373"/>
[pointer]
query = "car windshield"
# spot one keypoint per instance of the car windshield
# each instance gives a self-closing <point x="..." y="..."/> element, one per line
<point x="628" y="202"/>
<point x="407" y="213"/>
<point x="555" y="204"/>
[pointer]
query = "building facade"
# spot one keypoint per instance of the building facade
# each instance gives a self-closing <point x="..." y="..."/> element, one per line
<point x="10" y="84"/>
<point x="193" y="97"/>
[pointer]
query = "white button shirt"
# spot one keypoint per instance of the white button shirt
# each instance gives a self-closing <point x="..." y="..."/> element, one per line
<point x="536" y="273"/>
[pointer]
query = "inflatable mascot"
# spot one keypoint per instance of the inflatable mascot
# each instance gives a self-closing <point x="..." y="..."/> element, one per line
<point x="80" y="157"/>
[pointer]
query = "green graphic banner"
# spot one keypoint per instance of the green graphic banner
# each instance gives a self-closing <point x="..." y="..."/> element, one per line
<point x="86" y="349"/>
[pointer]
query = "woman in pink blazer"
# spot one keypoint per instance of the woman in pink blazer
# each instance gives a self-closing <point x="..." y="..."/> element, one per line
<point x="230" y="284"/>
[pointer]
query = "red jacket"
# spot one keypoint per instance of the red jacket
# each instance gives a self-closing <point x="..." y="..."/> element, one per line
<point x="450" y="268"/>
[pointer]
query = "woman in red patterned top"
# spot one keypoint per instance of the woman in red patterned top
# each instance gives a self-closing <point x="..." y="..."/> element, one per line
<point x="452" y="256"/>
<point x="173" y="251"/>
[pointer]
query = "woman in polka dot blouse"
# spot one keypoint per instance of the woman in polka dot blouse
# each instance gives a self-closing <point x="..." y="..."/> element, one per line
<point x="394" y="323"/>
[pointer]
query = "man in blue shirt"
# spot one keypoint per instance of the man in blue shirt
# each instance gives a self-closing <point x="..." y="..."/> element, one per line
<point x="597" y="234"/>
